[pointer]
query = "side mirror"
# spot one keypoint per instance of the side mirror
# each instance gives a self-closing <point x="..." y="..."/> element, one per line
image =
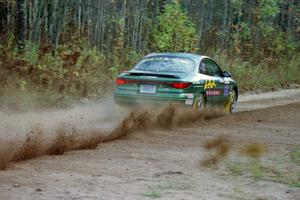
<point x="226" y="74"/>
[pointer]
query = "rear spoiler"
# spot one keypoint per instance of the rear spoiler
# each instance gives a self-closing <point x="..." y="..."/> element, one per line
<point x="153" y="74"/>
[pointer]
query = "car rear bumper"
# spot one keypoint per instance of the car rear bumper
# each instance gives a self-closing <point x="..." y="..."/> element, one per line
<point x="157" y="100"/>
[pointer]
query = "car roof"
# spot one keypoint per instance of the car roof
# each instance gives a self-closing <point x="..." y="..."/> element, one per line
<point x="191" y="56"/>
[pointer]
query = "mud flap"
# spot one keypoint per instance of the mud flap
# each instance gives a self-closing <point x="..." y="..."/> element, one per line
<point x="195" y="103"/>
<point x="228" y="104"/>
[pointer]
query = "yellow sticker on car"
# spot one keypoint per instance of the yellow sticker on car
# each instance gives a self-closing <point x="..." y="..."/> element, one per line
<point x="209" y="84"/>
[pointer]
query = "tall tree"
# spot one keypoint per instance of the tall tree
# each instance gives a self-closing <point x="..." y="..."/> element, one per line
<point x="241" y="26"/>
<point x="175" y="31"/>
<point x="20" y="23"/>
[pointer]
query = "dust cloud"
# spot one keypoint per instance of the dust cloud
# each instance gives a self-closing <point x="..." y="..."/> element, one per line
<point x="27" y="135"/>
<point x="30" y="135"/>
<point x="218" y="148"/>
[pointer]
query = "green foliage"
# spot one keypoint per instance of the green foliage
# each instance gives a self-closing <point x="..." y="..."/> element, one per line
<point x="256" y="171"/>
<point x="295" y="185"/>
<point x="262" y="30"/>
<point x="175" y="31"/>
<point x="267" y="75"/>
<point x="76" y="70"/>
<point x="125" y="61"/>
<point x="269" y="8"/>
<point x="31" y="53"/>
<point x="162" y="188"/>
<point x="23" y="84"/>
<point x="236" y="3"/>
<point x="279" y="169"/>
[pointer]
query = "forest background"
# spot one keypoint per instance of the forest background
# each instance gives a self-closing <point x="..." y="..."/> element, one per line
<point x="54" y="51"/>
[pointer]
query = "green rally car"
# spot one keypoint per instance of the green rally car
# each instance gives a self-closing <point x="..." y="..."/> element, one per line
<point x="188" y="79"/>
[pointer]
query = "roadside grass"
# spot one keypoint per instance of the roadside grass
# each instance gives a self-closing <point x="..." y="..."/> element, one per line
<point x="288" y="176"/>
<point x="295" y="155"/>
<point x="174" y="186"/>
<point x="295" y="185"/>
<point x="152" y="194"/>
<point x="295" y="159"/>
<point x="256" y="170"/>
<point x="79" y="70"/>
<point x="159" y="190"/>
<point x="76" y="71"/>
<point x="238" y="194"/>
<point x="264" y="76"/>
<point x="235" y="168"/>
<point x="284" y="173"/>
<point x="249" y="169"/>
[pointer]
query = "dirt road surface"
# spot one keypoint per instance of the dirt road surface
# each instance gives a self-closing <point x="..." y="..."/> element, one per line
<point x="259" y="151"/>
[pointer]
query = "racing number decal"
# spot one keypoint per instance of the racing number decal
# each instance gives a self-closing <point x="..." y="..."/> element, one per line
<point x="209" y="84"/>
<point x="213" y="92"/>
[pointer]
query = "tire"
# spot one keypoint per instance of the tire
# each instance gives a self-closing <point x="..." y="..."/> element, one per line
<point x="201" y="102"/>
<point x="233" y="102"/>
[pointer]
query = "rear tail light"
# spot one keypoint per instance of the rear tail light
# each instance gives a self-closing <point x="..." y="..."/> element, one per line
<point x="120" y="81"/>
<point x="180" y="85"/>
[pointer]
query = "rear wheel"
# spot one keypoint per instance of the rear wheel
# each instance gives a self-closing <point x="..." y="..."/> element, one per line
<point x="201" y="102"/>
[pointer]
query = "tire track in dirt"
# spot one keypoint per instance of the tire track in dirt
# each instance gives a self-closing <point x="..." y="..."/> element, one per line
<point x="249" y="102"/>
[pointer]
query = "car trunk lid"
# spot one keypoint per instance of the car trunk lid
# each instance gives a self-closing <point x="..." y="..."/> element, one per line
<point x="151" y="82"/>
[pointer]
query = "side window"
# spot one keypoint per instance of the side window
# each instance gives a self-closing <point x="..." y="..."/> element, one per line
<point x="212" y="68"/>
<point x="202" y="67"/>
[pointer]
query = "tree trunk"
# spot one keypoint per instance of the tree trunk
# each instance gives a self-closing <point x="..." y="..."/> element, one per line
<point x="20" y="23"/>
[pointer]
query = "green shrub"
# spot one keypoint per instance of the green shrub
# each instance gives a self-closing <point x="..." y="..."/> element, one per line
<point x="262" y="76"/>
<point x="175" y="31"/>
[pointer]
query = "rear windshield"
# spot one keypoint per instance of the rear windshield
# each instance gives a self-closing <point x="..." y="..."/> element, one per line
<point x="166" y="64"/>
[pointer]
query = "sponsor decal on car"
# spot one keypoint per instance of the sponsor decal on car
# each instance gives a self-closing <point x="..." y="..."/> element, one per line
<point x="213" y="92"/>
<point x="209" y="84"/>
<point x="226" y="90"/>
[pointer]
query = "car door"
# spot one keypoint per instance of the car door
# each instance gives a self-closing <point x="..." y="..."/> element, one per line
<point x="214" y="86"/>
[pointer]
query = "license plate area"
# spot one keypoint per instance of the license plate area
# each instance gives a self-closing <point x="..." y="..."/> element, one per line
<point x="148" y="89"/>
